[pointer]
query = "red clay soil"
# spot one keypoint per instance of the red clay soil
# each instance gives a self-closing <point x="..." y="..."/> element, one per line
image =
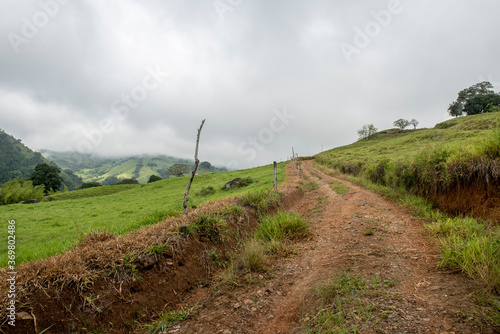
<point x="480" y="200"/>
<point x="423" y="300"/>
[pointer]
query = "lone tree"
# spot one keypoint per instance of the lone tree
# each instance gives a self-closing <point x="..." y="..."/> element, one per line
<point x="401" y="123"/>
<point x="178" y="169"/>
<point x="367" y="131"/>
<point x="414" y="122"/>
<point x="154" y="178"/>
<point x="48" y="176"/>
<point x="476" y="99"/>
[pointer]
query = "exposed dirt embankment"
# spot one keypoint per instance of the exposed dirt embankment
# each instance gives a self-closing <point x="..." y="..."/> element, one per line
<point x="481" y="200"/>
<point x="111" y="284"/>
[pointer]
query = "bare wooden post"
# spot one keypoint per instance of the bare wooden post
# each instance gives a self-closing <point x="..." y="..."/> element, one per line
<point x="293" y="159"/>
<point x="196" y="163"/>
<point x="275" y="176"/>
<point x="298" y="167"/>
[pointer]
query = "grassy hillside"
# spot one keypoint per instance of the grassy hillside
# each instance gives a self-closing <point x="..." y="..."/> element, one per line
<point x="456" y="164"/>
<point x="396" y="145"/>
<point x="92" y="168"/>
<point x="16" y="160"/>
<point x="53" y="226"/>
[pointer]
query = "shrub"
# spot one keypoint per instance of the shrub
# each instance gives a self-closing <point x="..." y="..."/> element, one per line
<point x="154" y="178"/>
<point x="205" y="191"/>
<point x="211" y="227"/>
<point x="90" y="185"/>
<point x="128" y="181"/>
<point x="240" y="183"/>
<point x="20" y="190"/>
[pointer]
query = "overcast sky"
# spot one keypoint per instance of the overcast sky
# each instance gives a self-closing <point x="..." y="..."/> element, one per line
<point x="138" y="76"/>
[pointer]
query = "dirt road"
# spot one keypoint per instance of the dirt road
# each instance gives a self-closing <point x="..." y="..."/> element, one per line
<point x="360" y="232"/>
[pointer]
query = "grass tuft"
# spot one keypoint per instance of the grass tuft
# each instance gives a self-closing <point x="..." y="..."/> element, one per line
<point x="339" y="187"/>
<point x="282" y="226"/>
<point x="260" y="200"/>
<point x="254" y="255"/>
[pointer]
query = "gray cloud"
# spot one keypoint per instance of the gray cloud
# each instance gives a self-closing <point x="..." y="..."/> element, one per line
<point x="69" y="80"/>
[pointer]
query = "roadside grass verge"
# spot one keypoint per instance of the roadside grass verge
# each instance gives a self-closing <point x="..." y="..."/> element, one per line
<point x="466" y="244"/>
<point x="54" y="226"/>
<point x="348" y="304"/>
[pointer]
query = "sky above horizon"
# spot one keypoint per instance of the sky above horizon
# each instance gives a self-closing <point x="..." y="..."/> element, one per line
<point x="138" y="77"/>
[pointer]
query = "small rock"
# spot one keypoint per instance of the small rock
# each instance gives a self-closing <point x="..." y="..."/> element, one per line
<point x="248" y="302"/>
<point x="270" y="316"/>
<point x="237" y="305"/>
<point x="23" y="316"/>
<point x="254" y="309"/>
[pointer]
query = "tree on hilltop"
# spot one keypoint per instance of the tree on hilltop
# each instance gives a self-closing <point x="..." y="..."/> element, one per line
<point x="367" y="131"/>
<point x="414" y="122"/>
<point x="476" y="99"/>
<point x="401" y="123"/>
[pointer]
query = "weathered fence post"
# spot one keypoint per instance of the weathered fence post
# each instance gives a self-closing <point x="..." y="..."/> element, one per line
<point x="196" y="163"/>
<point x="275" y="176"/>
<point x="298" y="167"/>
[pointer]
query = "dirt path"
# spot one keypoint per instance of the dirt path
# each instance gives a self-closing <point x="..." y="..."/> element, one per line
<point x="365" y="234"/>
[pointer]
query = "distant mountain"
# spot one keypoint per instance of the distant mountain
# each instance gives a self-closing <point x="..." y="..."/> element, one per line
<point x="19" y="161"/>
<point x="16" y="160"/>
<point x="93" y="168"/>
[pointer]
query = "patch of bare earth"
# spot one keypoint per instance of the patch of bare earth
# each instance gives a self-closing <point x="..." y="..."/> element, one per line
<point x="360" y="232"/>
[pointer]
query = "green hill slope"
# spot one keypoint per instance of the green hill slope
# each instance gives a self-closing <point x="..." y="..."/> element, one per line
<point x="16" y="160"/>
<point x="19" y="161"/>
<point x="456" y="158"/>
<point x="54" y="225"/>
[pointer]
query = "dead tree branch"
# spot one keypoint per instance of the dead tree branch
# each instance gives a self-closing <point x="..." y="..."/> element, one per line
<point x="196" y="163"/>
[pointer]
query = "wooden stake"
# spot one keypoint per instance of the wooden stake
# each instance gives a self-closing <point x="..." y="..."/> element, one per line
<point x="196" y="163"/>
<point x="275" y="176"/>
